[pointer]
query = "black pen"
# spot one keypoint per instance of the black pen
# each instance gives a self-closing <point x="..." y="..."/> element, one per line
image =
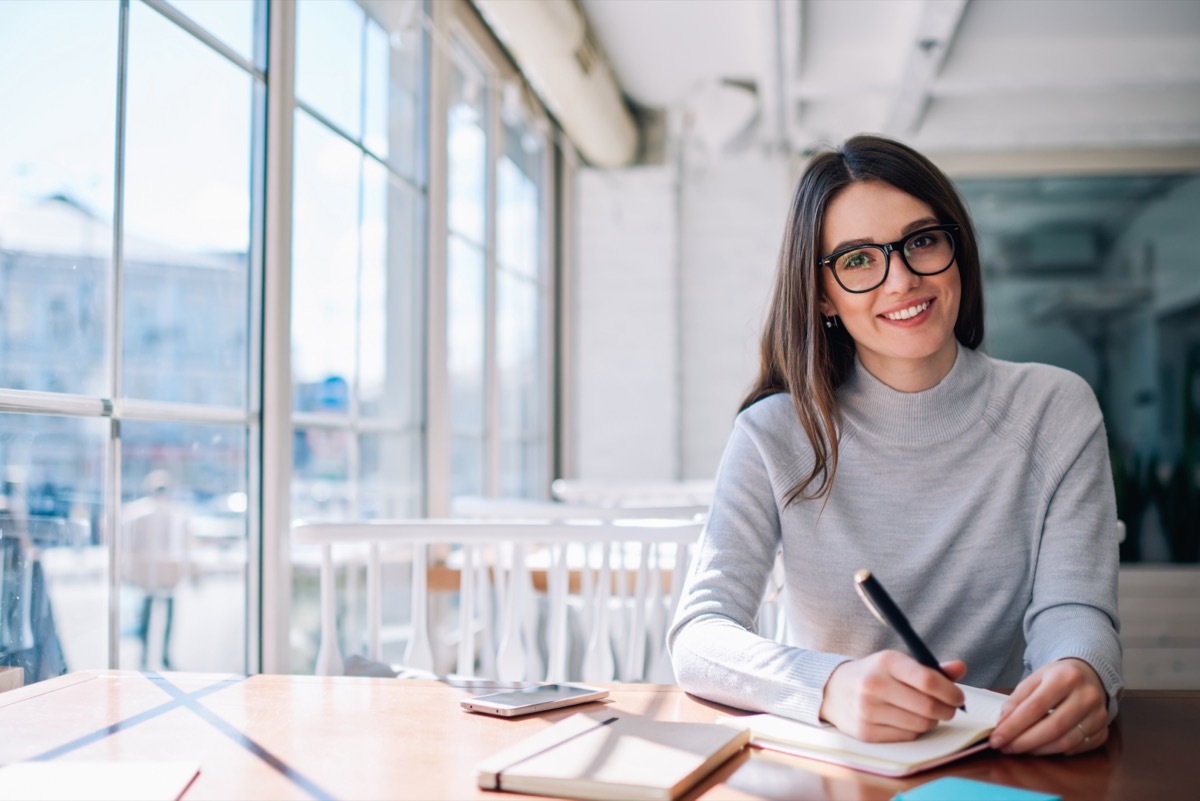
<point x="883" y="607"/>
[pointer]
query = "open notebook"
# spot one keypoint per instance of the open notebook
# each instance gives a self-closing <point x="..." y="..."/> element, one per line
<point x="965" y="734"/>
<point x="607" y="755"/>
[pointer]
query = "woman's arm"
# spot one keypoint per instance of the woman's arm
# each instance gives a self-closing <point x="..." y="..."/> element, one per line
<point x="715" y="647"/>
<point x="1071" y="626"/>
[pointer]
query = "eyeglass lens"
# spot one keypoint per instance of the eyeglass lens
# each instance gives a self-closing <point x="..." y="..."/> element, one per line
<point x="864" y="268"/>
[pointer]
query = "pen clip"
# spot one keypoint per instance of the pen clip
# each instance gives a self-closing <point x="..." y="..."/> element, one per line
<point x="859" y="578"/>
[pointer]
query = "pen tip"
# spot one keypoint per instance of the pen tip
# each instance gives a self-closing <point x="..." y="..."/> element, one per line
<point x="862" y="575"/>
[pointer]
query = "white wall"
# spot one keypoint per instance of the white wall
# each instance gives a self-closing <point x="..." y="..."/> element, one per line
<point x="733" y="220"/>
<point x="624" y="317"/>
<point x="674" y="270"/>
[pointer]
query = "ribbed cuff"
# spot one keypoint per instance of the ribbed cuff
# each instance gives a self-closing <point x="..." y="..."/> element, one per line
<point x="1110" y="677"/>
<point x="801" y="695"/>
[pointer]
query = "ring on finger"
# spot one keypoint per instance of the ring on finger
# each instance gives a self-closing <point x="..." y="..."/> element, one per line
<point x="1086" y="738"/>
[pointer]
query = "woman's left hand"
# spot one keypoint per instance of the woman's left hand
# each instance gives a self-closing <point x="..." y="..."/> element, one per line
<point x="1060" y="708"/>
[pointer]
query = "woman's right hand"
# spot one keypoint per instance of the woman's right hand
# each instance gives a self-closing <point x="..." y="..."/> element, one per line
<point x="890" y="697"/>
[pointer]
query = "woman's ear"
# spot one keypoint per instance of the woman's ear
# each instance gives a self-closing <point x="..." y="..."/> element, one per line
<point x="826" y="308"/>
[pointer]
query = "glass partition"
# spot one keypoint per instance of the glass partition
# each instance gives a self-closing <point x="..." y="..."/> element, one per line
<point x="1098" y="274"/>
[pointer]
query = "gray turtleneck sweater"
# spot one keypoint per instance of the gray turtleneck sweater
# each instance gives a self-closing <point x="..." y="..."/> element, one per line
<point x="984" y="505"/>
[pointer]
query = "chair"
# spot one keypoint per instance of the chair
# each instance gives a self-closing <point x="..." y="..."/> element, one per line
<point x="515" y="583"/>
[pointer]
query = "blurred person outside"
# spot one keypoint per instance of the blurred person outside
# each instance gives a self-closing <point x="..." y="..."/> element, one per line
<point x="155" y="555"/>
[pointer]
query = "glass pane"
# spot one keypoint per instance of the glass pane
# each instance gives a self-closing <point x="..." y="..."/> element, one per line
<point x="519" y="355"/>
<point x="391" y="305"/>
<point x="56" y="193"/>
<point x="467" y="155"/>
<point x="231" y="21"/>
<point x="321" y="488"/>
<point x="183" y="547"/>
<point x="1097" y="274"/>
<point x="391" y="470"/>
<point x="321" y="473"/>
<point x="523" y="469"/>
<point x="466" y="465"/>
<point x="54" y="560"/>
<point x="377" y="92"/>
<point x="395" y="85"/>
<point x="518" y="202"/>
<point x="325" y="242"/>
<point x="329" y="61"/>
<point x="186" y="285"/>
<point x="466" y="318"/>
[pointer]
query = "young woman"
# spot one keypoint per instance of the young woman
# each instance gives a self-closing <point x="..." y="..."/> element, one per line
<point x="876" y="436"/>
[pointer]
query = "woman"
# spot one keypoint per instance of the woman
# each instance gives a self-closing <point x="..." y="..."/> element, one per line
<point x="877" y="436"/>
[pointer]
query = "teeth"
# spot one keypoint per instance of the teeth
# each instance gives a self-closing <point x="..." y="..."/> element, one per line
<point x="911" y="311"/>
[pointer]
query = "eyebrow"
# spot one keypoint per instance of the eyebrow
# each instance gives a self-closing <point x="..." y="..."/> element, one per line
<point x="915" y="225"/>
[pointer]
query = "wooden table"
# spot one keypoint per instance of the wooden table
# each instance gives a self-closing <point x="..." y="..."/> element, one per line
<point x="283" y="737"/>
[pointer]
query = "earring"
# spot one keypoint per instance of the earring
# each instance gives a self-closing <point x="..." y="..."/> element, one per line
<point x="831" y="322"/>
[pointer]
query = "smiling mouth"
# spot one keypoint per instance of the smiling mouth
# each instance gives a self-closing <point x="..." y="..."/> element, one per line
<point x="904" y="314"/>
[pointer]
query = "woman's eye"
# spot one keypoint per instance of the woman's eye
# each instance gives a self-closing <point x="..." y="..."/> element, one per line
<point x="918" y="242"/>
<point x="855" y="261"/>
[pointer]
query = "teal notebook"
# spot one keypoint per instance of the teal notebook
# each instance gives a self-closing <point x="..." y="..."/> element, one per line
<point x="952" y="788"/>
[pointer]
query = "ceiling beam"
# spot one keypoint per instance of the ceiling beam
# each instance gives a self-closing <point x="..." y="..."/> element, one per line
<point x="1067" y="161"/>
<point x="935" y="33"/>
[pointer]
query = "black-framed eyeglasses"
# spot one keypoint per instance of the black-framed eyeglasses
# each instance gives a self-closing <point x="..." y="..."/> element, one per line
<point x="862" y="268"/>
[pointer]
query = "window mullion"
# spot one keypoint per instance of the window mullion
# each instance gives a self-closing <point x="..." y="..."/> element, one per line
<point x="491" y="428"/>
<point x="276" y="574"/>
<point x="112" y="478"/>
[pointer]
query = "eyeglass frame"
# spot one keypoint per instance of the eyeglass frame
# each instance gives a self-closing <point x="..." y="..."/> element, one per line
<point x="894" y="247"/>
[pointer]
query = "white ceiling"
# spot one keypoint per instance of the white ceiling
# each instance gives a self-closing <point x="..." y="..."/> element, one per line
<point x="947" y="76"/>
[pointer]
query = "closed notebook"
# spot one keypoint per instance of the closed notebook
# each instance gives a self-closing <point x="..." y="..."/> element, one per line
<point x="602" y="755"/>
<point x="964" y="734"/>
<point x="64" y="780"/>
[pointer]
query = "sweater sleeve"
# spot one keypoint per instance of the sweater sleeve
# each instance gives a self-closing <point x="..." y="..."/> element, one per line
<point x="1073" y="611"/>
<point x="715" y="648"/>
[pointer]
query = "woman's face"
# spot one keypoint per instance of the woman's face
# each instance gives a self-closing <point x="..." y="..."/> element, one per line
<point x="904" y="328"/>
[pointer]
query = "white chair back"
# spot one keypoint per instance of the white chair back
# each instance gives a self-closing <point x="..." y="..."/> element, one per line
<point x="517" y="584"/>
<point x="480" y="508"/>
<point x="634" y="494"/>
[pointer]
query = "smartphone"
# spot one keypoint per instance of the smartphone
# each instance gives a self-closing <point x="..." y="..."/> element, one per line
<point x="511" y="703"/>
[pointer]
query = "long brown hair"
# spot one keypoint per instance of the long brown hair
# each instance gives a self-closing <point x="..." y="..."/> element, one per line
<point x="799" y="354"/>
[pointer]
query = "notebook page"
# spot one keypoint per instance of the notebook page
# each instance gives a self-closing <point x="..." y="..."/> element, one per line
<point x="949" y="736"/>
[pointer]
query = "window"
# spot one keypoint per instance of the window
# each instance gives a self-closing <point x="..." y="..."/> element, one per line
<point x="128" y="260"/>
<point x="137" y="187"/>
<point x="467" y="272"/>
<point x="499" y="289"/>
<point x="358" y="245"/>
<point x="523" y="301"/>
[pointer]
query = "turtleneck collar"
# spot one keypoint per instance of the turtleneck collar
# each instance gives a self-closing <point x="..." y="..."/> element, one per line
<point x="938" y="414"/>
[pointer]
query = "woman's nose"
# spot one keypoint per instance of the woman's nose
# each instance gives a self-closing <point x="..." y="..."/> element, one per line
<point x="899" y="278"/>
